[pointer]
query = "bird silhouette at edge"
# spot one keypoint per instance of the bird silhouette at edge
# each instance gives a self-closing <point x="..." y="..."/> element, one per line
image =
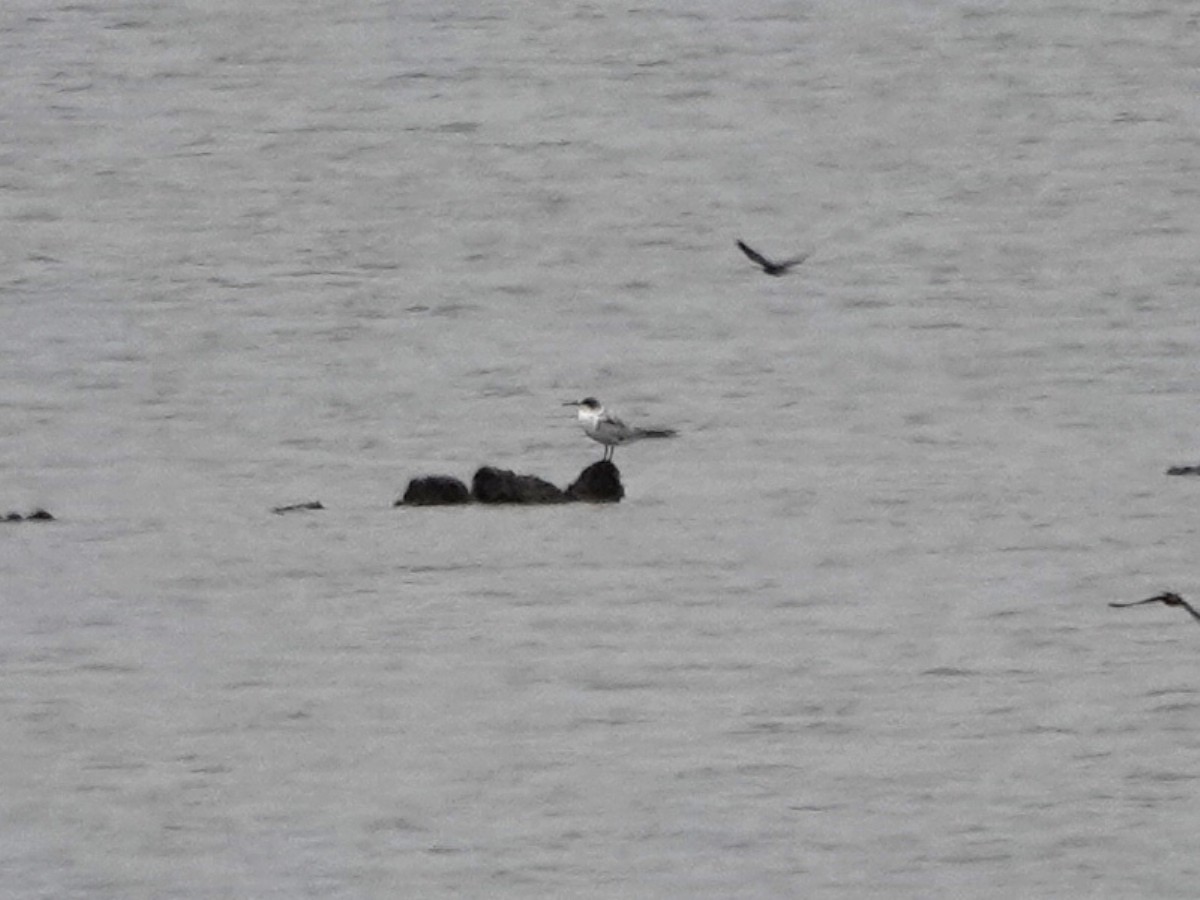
<point x="769" y="266"/>
<point x="1169" y="598"/>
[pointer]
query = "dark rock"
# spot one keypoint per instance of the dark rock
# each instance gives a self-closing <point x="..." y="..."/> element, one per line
<point x="492" y="485"/>
<point x="1184" y="470"/>
<point x="598" y="483"/>
<point x="434" y="490"/>
<point x="38" y="515"/>
<point x="295" y="507"/>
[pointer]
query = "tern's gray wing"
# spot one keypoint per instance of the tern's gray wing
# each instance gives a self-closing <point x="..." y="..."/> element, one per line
<point x="755" y="255"/>
<point x="615" y="422"/>
<point x="794" y="261"/>
<point x="1136" y="602"/>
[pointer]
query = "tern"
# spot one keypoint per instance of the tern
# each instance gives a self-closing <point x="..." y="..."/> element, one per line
<point x="605" y="428"/>
<point x="768" y="266"/>
<point x="1169" y="599"/>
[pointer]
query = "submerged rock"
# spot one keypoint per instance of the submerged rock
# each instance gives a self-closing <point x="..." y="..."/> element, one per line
<point x="434" y="490"/>
<point x="296" y="507"/>
<point x="598" y="483"/>
<point x="491" y="485"/>
<point x="38" y="515"/>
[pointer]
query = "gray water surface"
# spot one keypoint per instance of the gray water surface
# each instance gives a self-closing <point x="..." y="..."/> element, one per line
<point x="846" y="637"/>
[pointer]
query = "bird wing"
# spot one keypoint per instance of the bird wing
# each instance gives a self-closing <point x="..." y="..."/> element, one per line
<point x="755" y="255"/>
<point x="614" y="421"/>
<point x="794" y="261"/>
<point x="1195" y="615"/>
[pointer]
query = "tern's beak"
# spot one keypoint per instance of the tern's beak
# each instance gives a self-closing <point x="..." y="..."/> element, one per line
<point x="573" y="403"/>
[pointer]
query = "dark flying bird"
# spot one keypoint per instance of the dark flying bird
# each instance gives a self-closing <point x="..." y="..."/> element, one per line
<point x="1169" y="598"/>
<point x="605" y="428"/>
<point x="771" y="268"/>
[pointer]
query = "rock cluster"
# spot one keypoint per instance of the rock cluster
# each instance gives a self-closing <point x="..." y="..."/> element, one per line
<point x="38" y="515"/>
<point x="598" y="483"/>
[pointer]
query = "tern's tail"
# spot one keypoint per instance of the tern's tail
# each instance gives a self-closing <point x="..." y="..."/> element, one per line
<point x="656" y="432"/>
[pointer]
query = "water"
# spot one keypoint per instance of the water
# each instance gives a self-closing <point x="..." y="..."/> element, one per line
<point x="846" y="636"/>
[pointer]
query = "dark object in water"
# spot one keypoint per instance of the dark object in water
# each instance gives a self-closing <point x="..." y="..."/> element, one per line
<point x="598" y="483"/>
<point x="1184" y="470"/>
<point x="491" y="485"/>
<point x="1169" y="599"/>
<point x="770" y="266"/>
<point x="38" y="515"/>
<point x="434" y="490"/>
<point x="296" y="507"/>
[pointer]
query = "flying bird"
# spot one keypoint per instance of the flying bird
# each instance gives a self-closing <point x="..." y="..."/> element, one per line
<point x="1169" y="599"/>
<point x="771" y="268"/>
<point x="605" y="428"/>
